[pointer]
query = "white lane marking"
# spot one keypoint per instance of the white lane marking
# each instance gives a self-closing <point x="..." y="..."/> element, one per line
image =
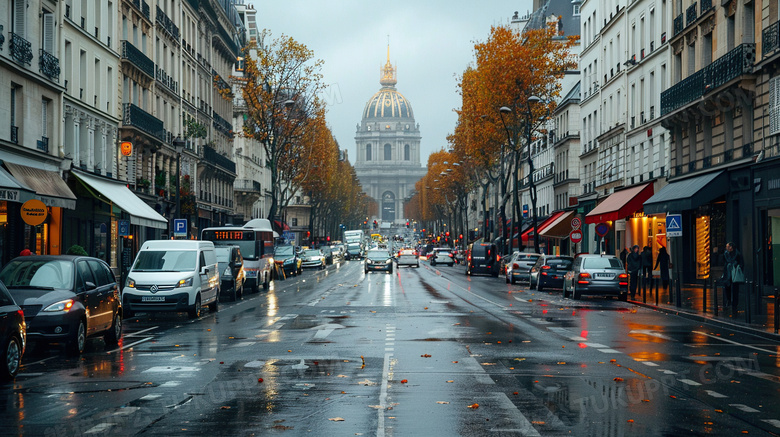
<point x="380" y="426"/>
<point x="745" y="408"/>
<point x="99" y="428"/>
<point x="735" y="342"/>
<point x="667" y="372"/>
<point x="171" y="384"/>
<point x="149" y="397"/>
<point x="596" y="345"/>
<point x="645" y="362"/>
<point x="325" y="330"/>
<point x="689" y="382"/>
<point x="753" y="373"/>
<point x="169" y="369"/>
<point x="126" y="411"/>
<point x="389" y="349"/>
<point x="774" y="422"/>
<point x="520" y="300"/>
<point x="133" y="334"/>
<point x="245" y="344"/>
<point x="128" y="346"/>
<point x="715" y="394"/>
<point x="524" y="427"/>
<point x="609" y="351"/>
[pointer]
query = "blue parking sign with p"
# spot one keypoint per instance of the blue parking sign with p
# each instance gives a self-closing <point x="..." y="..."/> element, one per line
<point x="179" y="227"/>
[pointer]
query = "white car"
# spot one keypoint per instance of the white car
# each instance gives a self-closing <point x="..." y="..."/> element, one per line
<point x="408" y="257"/>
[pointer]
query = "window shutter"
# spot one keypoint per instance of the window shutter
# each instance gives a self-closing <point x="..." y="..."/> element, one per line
<point x="19" y="18"/>
<point x="44" y="117"/>
<point x="48" y="32"/>
<point x="774" y="105"/>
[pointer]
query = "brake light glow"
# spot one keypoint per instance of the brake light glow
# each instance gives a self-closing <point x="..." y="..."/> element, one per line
<point x="546" y="267"/>
<point x="623" y="277"/>
<point x="583" y="278"/>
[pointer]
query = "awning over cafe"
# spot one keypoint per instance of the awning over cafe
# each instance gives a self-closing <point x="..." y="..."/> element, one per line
<point x="620" y="204"/>
<point x="541" y="226"/>
<point x="117" y="193"/>
<point x="560" y="227"/>
<point x="49" y="187"/>
<point x="12" y="190"/>
<point x="688" y="194"/>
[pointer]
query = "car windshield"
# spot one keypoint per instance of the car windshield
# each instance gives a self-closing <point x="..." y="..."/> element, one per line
<point x="525" y="257"/>
<point x="378" y="254"/>
<point x="166" y="261"/>
<point x="38" y="273"/>
<point x="560" y="263"/>
<point x="284" y="251"/>
<point x="311" y="252"/>
<point x="601" y="263"/>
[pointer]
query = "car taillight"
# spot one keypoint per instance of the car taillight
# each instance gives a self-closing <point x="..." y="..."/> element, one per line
<point x="498" y="257"/>
<point x="583" y="278"/>
<point x="546" y="267"/>
<point x="515" y="266"/>
<point x="623" y="278"/>
<point x="21" y="313"/>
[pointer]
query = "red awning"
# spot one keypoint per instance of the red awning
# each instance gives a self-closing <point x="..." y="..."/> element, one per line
<point x="620" y="204"/>
<point x="530" y="232"/>
<point x="282" y="226"/>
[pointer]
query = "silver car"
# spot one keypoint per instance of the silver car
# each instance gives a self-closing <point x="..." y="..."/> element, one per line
<point x="313" y="258"/>
<point x="519" y="266"/>
<point x="596" y="274"/>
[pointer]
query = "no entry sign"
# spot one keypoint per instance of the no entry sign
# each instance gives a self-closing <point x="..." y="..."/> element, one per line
<point x="575" y="236"/>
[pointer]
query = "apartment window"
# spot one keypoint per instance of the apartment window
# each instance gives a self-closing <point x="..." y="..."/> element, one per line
<point x="576" y="10"/>
<point x="388" y="152"/>
<point x="47" y="32"/>
<point x="45" y="103"/>
<point x="407" y="153"/>
<point x="295" y="221"/>
<point x="19" y="19"/>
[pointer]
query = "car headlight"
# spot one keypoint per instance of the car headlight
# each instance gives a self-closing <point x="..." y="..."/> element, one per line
<point x="389" y="260"/>
<point x="270" y="260"/>
<point x="368" y="261"/>
<point x="130" y="283"/>
<point x="184" y="283"/>
<point x="63" y="305"/>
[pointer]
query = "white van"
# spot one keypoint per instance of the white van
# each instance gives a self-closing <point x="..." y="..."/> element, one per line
<point x="172" y="275"/>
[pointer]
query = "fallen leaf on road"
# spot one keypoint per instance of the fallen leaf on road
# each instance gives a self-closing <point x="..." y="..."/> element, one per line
<point x="451" y="381"/>
<point x="225" y="407"/>
<point x="289" y="350"/>
<point x="404" y="381"/>
<point x="366" y="382"/>
<point x="618" y="379"/>
<point x="259" y="379"/>
<point x="425" y="355"/>
<point x="442" y="402"/>
<point x="454" y="362"/>
<point x="515" y="393"/>
<point x="378" y="407"/>
<point x="474" y="406"/>
<point x="426" y="308"/>
<point x="342" y="376"/>
<point x="613" y="361"/>
<point x="456" y="324"/>
<point x="336" y="419"/>
<point x="630" y="420"/>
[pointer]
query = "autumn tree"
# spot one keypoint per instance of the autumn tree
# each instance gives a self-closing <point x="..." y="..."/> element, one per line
<point x="283" y="81"/>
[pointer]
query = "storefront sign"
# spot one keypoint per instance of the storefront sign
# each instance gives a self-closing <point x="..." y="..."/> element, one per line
<point x="34" y="212"/>
<point x="12" y="195"/>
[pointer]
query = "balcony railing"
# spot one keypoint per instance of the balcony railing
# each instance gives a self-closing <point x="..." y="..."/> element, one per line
<point x="21" y="50"/>
<point x="733" y="64"/>
<point x="137" y="58"/>
<point x="770" y="38"/>
<point x="211" y="155"/>
<point x="43" y="144"/>
<point x="678" y="25"/>
<point x="222" y="125"/>
<point x="2" y="37"/>
<point x="144" y="8"/>
<point x="167" y="24"/>
<point x="712" y="161"/>
<point x="246" y="185"/>
<point x="163" y="78"/>
<point x="136" y="117"/>
<point x="49" y="65"/>
<point x="690" y="14"/>
<point x="706" y="5"/>
<point x="15" y="134"/>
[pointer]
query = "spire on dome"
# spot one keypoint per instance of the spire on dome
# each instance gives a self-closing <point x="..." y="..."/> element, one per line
<point x="387" y="73"/>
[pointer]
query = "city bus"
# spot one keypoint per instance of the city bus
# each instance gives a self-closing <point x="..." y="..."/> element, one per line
<point x="256" y="241"/>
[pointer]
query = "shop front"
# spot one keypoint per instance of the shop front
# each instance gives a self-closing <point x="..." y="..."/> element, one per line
<point x="614" y="215"/>
<point x="700" y="202"/>
<point x="531" y="234"/>
<point x="766" y="180"/>
<point x="556" y="234"/>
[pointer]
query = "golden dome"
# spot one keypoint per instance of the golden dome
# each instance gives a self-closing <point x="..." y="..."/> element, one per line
<point x="388" y="102"/>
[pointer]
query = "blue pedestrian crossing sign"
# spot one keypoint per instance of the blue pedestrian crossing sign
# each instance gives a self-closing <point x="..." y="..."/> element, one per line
<point x="673" y="225"/>
<point x="179" y="227"/>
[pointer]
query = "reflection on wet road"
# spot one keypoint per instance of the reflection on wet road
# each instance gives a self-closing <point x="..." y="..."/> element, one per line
<point x="425" y="351"/>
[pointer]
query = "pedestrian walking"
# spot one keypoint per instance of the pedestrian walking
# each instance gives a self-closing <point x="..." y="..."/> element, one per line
<point x="663" y="262"/>
<point x="647" y="263"/>
<point x="623" y="256"/>
<point x="732" y="270"/>
<point x="634" y="266"/>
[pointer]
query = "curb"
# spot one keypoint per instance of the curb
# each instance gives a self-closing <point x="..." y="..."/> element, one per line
<point x="747" y="329"/>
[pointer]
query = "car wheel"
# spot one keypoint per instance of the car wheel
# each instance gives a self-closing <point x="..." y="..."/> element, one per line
<point x="78" y="339"/>
<point x="506" y="279"/>
<point x="391" y="269"/>
<point x="539" y="286"/>
<point x="512" y="280"/>
<point x="194" y="311"/>
<point x="11" y="358"/>
<point x="565" y="290"/>
<point x="214" y="306"/>
<point x="433" y="263"/>
<point x="577" y="293"/>
<point x="240" y="292"/>
<point x="114" y="333"/>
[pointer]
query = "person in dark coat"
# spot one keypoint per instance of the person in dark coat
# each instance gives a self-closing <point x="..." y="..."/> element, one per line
<point x="634" y="266"/>
<point x="732" y="258"/>
<point x="647" y="263"/>
<point x="663" y="262"/>
<point x="623" y="256"/>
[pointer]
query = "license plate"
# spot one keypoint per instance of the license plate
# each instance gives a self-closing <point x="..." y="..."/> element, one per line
<point x="250" y="273"/>
<point x="605" y="275"/>
<point x="153" y="299"/>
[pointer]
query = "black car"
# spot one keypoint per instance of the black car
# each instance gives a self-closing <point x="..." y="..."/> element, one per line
<point x="66" y="298"/>
<point x="482" y="258"/>
<point x="13" y="335"/>
<point x="549" y="270"/>
<point x="287" y="260"/>
<point x="378" y="259"/>
<point x="231" y="272"/>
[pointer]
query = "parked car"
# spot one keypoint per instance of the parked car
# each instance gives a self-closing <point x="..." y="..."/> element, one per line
<point x="378" y="259"/>
<point x="313" y="258"/>
<point x="287" y="260"/>
<point x="65" y="298"/>
<point x="596" y="274"/>
<point x="328" y="253"/>
<point x="548" y="271"/>
<point x="13" y="335"/>
<point x="518" y="268"/>
<point x="442" y="255"/>
<point x="408" y="257"/>
<point x="173" y="276"/>
<point x="482" y="258"/>
<point x="232" y="277"/>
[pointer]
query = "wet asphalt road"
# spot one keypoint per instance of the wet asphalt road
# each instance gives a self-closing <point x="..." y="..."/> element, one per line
<point x="425" y="352"/>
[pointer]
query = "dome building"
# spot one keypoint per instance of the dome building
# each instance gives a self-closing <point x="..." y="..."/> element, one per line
<point x="388" y="148"/>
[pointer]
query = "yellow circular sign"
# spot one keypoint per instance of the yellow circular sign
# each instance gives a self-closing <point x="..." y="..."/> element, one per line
<point x="34" y="212"/>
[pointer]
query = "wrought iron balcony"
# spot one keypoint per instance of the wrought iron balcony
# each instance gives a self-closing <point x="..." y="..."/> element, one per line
<point x="770" y="38"/>
<point x="43" y="144"/>
<point x="21" y="49"/>
<point x="690" y="14"/>
<point x="143" y="7"/>
<point x="211" y="155"/>
<point x="137" y="58"/>
<point x="2" y="37"/>
<point x="733" y="64"/>
<point x="706" y="5"/>
<point x="246" y="185"/>
<point x="678" y="25"/>
<point x="163" y="78"/>
<point x="167" y="24"/>
<point x="136" y="117"/>
<point x="49" y="65"/>
<point x="222" y="125"/>
<point x="15" y="134"/>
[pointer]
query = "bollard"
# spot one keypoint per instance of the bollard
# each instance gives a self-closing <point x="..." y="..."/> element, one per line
<point x="704" y="297"/>
<point x="715" y="295"/>
<point x="644" y="290"/>
<point x="657" y="280"/>
<point x="777" y="312"/>
<point x="678" y="299"/>
<point x="748" y="309"/>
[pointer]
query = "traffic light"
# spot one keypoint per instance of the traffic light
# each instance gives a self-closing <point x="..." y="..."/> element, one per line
<point x="407" y="224"/>
<point x="375" y="224"/>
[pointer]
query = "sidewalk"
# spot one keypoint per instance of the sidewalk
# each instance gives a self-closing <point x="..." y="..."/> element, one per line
<point x="758" y="319"/>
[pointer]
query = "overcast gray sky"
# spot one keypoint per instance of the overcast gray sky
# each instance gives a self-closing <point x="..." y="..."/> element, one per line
<point x="431" y="43"/>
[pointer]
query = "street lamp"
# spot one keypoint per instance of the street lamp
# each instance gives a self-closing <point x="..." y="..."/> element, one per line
<point x="179" y="145"/>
